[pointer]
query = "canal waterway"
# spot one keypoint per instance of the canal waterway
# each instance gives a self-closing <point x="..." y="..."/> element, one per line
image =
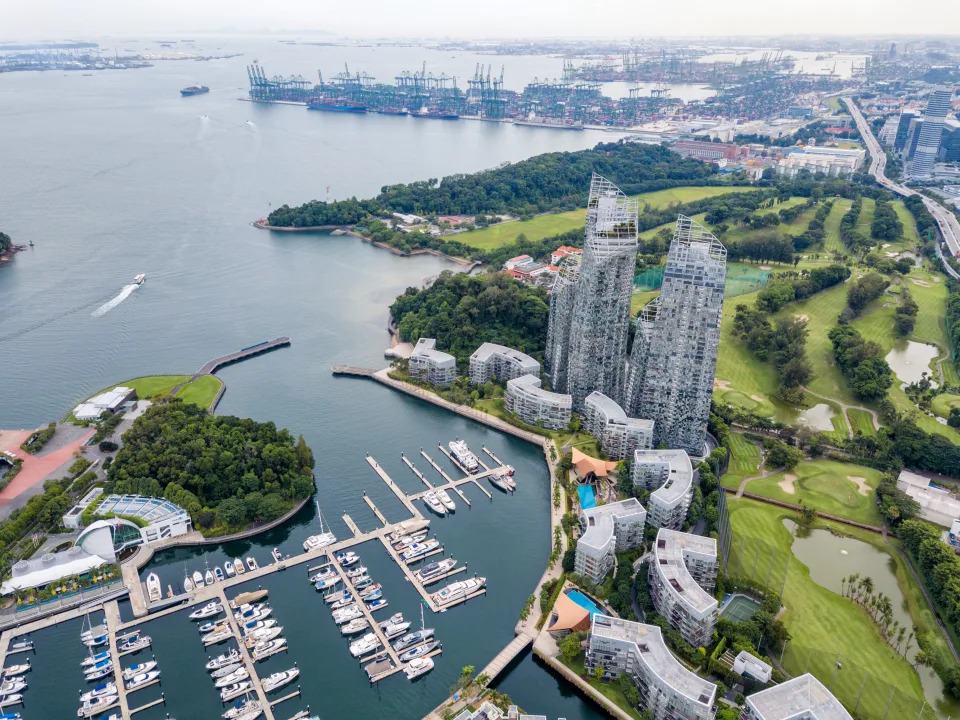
<point x="116" y="174"/>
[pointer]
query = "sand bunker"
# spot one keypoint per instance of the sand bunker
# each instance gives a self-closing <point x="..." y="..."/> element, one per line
<point x="921" y="283"/>
<point x="861" y="484"/>
<point x="719" y="384"/>
<point x="787" y="484"/>
<point x="766" y="267"/>
<point x="758" y="398"/>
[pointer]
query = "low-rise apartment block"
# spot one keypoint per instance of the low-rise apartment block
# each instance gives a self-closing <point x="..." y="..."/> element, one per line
<point x="618" y="434"/>
<point x="491" y="361"/>
<point x="801" y="698"/>
<point x="667" y="689"/>
<point x="608" y="529"/>
<point x="532" y="404"/>
<point x="670" y="475"/>
<point x="434" y="366"/>
<point x="682" y="575"/>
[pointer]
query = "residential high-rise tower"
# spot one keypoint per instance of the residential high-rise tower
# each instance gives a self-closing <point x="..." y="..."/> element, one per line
<point x="675" y="348"/>
<point x="938" y="105"/>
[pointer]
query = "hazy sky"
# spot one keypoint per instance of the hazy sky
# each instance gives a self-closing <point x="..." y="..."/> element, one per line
<point x="56" y="19"/>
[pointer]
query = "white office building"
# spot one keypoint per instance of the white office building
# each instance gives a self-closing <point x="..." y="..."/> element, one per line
<point x="161" y="519"/>
<point x="800" y="698"/>
<point x="682" y="575"/>
<point x="667" y="689"/>
<point x="670" y="475"/>
<point x="829" y="161"/>
<point x="491" y="361"/>
<point x="532" y="404"/>
<point x="618" y="434"/>
<point x="434" y="366"/>
<point x="608" y="529"/>
<point x="72" y="519"/>
<point x="752" y="667"/>
<point x="110" y="401"/>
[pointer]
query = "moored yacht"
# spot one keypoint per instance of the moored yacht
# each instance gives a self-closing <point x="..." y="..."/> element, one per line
<point x="228" y="567"/>
<point x="197" y="579"/>
<point x="365" y="645"/>
<point x="208" y="610"/>
<point x="102" y="690"/>
<point x="447" y="501"/>
<point x="154" y="590"/>
<point x="414" y="638"/>
<point x="252" y="564"/>
<point x="222" y="660"/>
<point x="433" y="502"/>
<point x="394" y="629"/>
<point x="142" y="679"/>
<point x="458" y="590"/>
<point x="279" y="679"/>
<point x="346" y="559"/>
<point x="238" y="566"/>
<point x="14" y="670"/>
<point x="355" y="626"/>
<point x="418" y="667"/>
<point x="418" y="549"/>
<point x="433" y="569"/>
<point x="419" y="651"/>
<point x="315" y="542"/>
<point x="238" y="675"/>
<point x="336" y="596"/>
<point x="138" y="669"/>
<point x="463" y="455"/>
<point x="409" y="540"/>
<point x="225" y="670"/>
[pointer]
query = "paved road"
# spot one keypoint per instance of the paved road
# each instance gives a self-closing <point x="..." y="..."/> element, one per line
<point x="946" y="220"/>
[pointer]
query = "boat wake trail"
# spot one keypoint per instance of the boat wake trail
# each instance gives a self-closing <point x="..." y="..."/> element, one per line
<point x="111" y="304"/>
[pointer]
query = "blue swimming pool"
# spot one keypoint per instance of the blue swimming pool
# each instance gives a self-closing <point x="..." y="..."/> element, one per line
<point x="587" y="497"/>
<point x="583" y="601"/>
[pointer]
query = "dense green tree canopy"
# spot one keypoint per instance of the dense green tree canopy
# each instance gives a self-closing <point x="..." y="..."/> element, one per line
<point x="462" y="312"/>
<point x="244" y="470"/>
<point x="5" y="241"/>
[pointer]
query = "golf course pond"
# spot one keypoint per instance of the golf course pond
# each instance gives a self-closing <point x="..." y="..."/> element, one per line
<point x="909" y="360"/>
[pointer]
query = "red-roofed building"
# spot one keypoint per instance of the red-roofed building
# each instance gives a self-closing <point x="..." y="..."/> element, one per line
<point x="563" y="251"/>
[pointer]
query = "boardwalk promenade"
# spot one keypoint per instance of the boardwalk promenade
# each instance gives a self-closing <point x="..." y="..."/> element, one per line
<point x="212" y="366"/>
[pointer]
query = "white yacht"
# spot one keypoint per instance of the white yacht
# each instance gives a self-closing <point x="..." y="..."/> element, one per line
<point x="346" y="559"/>
<point x="346" y="614"/>
<point x="255" y="625"/>
<point x="154" y="590"/>
<point x="138" y="669"/>
<point x="407" y="541"/>
<point x="267" y="649"/>
<point x="92" y="707"/>
<point x="208" y="610"/>
<point x="252" y="564"/>
<point x="458" y="590"/>
<point x="357" y="572"/>
<point x="336" y="596"/>
<point x="414" y="638"/>
<point x="433" y="502"/>
<point x="315" y="542"/>
<point x="417" y="549"/>
<point x="279" y="679"/>
<point x="233" y="691"/>
<point x="13" y="686"/>
<point x="419" y="666"/>
<point x="225" y="670"/>
<point x="15" y="670"/>
<point x="433" y="569"/>
<point x="447" y="501"/>
<point x="197" y="579"/>
<point x="95" y="659"/>
<point x="238" y="566"/>
<point x="241" y="710"/>
<point x="238" y="675"/>
<point x="263" y="635"/>
<point x="419" y="651"/>
<point x="223" y="660"/>
<point x="463" y="455"/>
<point x="217" y="636"/>
<point x="365" y="645"/>
<point x="392" y="630"/>
<point x="142" y="679"/>
<point x="355" y="626"/>
<point x="228" y="567"/>
<point x="102" y="690"/>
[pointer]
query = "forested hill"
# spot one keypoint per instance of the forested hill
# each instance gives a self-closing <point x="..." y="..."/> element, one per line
<point x="463" y="312"/>
<point x="552" y="181"/>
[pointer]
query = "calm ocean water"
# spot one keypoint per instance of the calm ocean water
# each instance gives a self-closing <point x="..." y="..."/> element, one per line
<point x="116" y="174"/>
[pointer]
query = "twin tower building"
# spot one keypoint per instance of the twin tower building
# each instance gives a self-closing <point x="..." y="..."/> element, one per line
<point x="669" y="377"/>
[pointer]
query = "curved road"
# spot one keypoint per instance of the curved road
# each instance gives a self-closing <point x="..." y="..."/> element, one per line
<point x="946" y="220"/>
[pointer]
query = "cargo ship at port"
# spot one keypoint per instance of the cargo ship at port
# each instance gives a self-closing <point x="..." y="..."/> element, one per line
<point x="436" y="114"/>
<point x="555" y="123"/>
<point x="194" y="90"/>
<point x="393" y="111"/>
<point x="336" y="105"/>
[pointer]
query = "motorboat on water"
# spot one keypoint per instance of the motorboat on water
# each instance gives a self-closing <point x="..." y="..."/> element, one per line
<point x="234" y="691"/>
<point x="356" y="572"/>
<point x="375" y="604"/>
<point x="225" y="670"/>
<point x="407" y="541"/>
<point x="210" y="626"/>
<point x="463" y="455"/>
<point x="252" y="564"/>
<point x="142" y="679"/>
<point x="500" y="481"/>
<point x="102" y="690"/>
<point x="97" y="705"/>
<point x="394" y="629"/>
<point x="416" y="668"/>
<point x="96" y="640"/>
<point x="138" y="669"/>
<point x="355" y="626"/>
<point x="346" y="614"/>
<point x="409" y="527"/>
<point x="418" y="549"/>
<point x="197" y="579"/>
<point x="94" y="659"/>
<point x="242" y="709"/>
<point x="370" y="590"/>
<point x="217" y="636"/>
<point x="433" y="502"/>
<point x="15" y="670"/>
<point x="276" y="554"/>
<point x="346" y="559"/>
<point x="395" y="618"/>
<point x="324" y="538"/>
<point x="362" y="581"/>
<point x="218" y="573"/>
<point x="93" y="632"/>
<point x="267" y="649"/>
<point x="328" y="583"/>
<point x="208" y="610"/>
<point x="279" y="679"/>
<point x="256" y="611"/>
<point x="414" y="638"/>
<point x="325" y="574"/>
<point x="336" y="596"/>
<point x="343" y="602"/>
<point x="99" y="672"/>
<point x="238" y="675"/>
<point x="12" y="686"/>
<point x="458" y="590"/>
<point x="228" y="568"/>
<point x="154" y="590"/>
<point x="365" y="645"/>
<point x="433" y="569"/>
<point x="254" y="625"/>
<point x="419" y="651"/>
<point x="447" y="501"/>
<point x="238" y="566"/>
<point x="263" y="635"/>
<point x="208" y="577"/>
<point x="372" y="595"/>
<point x="140" y="278"/>
<point x="223" y="660"/>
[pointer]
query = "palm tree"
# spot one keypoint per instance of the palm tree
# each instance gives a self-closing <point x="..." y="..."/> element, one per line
<point x="843" y="581"/>
<point x="868" y="584"/>
<point x="852" y="580"/>
<point x="900" y="634"/>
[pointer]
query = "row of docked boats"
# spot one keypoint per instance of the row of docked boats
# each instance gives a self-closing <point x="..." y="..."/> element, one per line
<point x="468" y="461"/>
<point x="12" y="685"/>
<point x="439" y="501"/>
<point x="231" y="568"/>
<point x="99" y="667"/>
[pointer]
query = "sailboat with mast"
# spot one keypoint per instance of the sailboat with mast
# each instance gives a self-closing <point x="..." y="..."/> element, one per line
<point x="315" y="542"/>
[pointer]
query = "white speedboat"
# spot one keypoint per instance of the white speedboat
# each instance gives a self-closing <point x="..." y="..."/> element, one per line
<point x="154" y="590"/>
<point x="414" y="638"/>
<point x="346" y="614"/>
<point x="418" y="549"/>
<point x="94" y="659"/>
<point x="102" y="690"/>
<point x="234" y="691"/>
<point x="356" y="572"/>
<point x="434" y="569"/>
<point x="223" y="660"/>
<point x="238" y="566"/>
<point x="208" y="577"/>
<point x="228" y="568"/>
<point x="225" y="670"/>
<point x="99" y="672"/>
<point x="458" y="590"/>
<point x="325" y="538"/>
<point x="252" y="564"/>
<point x="365" y="645"/>
<point x="463" y="455"/>
<point x="348" y="558"/>
<point x="255" y="625"/>
<point x="208" y="610"/>
<point x="142" y="679"/>
<point x="197" y="579"/>
<point x="267" y="649"/>
<point x="419" y="651"/>
<point x="12" y="686"/>
<point x="447" y="501"/>
<point x="96" y="705"/>
<point x="279" y="679"/>
<point x="15" y="670"/>
<point x="217" y="636"/>
<point x="138" y="669"/>
<point x="238" y="675"/>
<point x="140" y="278"/>
<point x="433" y="502"/>
<point x="242" y="709"/>
<point x="258" y="637"/>
<point x="392" y="630"/>
<point x="134" y="643"/>
<point x="219" y="573"/>
<point x="355" y="626"/>
<point x="416" y="668"/>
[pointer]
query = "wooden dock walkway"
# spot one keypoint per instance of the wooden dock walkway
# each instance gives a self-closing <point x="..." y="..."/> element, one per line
<point x="505" y="656"/>
<point x="396" y="490"/>
<point x="416" y="472"/>
<point x="376" y="511"/>
<point x="111" y="615"/>
<point x="159" y="701"/>
<point x="409" y="574"/>
<point x="489" y="452"/>
<point x="354" y="528"/>
<point x="436" y="467"/>
<point x="245" y="654"/>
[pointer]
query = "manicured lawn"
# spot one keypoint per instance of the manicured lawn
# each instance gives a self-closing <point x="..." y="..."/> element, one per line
<point x="554" y="223"/>
<point x="744" y="461"/>
<point x="201" y="391"/>
<point x="794" y="227"/>
<point x="825" y="485"/>
<point x="943" y="403"/>
<point x="639" y="299"/>
<point x="610" y="689"/>
<point x="831" y="226"/>
<point x="827" y="623"/>
<point x="862" y="421"/>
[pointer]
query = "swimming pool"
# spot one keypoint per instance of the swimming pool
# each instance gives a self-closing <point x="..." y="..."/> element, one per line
<point x="583" y="601"/>
<point x="587" y="497"/>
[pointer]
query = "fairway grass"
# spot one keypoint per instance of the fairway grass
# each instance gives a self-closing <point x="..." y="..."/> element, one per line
<point x="825" y="486"/>
<point x="201" y="391"/>
<point x="744" y="461"/>
<point x="862" y="421"/>
<point x="555" y="223"/>
<point x="825" y="626"/>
